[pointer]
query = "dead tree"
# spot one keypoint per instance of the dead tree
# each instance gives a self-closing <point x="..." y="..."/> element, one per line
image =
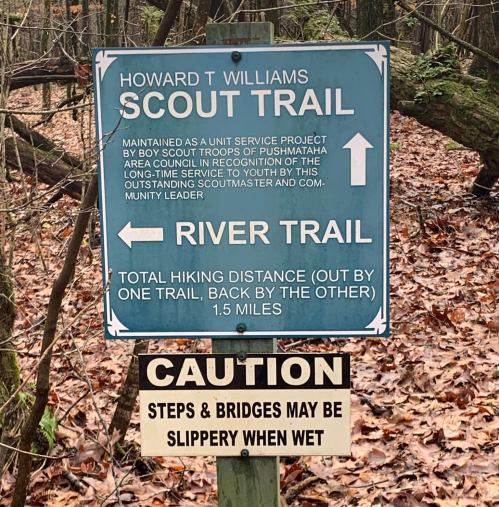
<point x="49" y="168"/>
<point x="43" y="70"/>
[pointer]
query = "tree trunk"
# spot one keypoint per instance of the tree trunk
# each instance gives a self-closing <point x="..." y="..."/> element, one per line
<point x="421" y="35"/>
<point x="273" y="15"/>
<point x="488" y="42"/>
<point x="463" y="23"/>
<point x="9" y="369"/>
<point x="85" y="28"/>
<point x="112" y="23"/>
<point x="199" y="28"/>
<point x="47" y="7"/>
<point x="375" y="20"/>
<point x="167" y="22"/>
<point x="38" y="141"/>
<point x="73" y="18"/>
<point x="128" y="396"/>
<point x="126" y="20"/>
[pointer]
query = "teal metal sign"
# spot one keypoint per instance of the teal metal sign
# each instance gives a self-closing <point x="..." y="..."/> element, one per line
<point x="244" y="190"/>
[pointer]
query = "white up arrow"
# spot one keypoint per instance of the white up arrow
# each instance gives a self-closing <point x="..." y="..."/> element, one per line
<point x="358" y="146"/>
<point x="128" y="235"/>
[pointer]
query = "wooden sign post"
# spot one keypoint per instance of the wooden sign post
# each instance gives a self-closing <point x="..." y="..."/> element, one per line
<point x="245" y="481"/>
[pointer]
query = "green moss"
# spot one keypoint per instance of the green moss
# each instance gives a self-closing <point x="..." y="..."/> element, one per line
<point x="13" y="18"/>
<point x="9" y="369"/>
<point x="453" y="145"/>
<point x="10" y="376"/>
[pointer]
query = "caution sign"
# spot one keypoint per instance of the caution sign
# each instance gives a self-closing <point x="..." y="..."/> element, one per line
<point x="244" y="405"/>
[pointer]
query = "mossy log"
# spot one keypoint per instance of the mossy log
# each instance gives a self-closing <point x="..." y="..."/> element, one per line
<point x="460" y="106"/>
<point x="48" y="168"/>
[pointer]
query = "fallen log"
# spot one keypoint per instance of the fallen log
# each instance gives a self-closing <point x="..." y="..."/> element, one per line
<point x="49" y="168"/>
<point x="39" y="141"/>
<point x="43" y="70"/>
<point x="460" y="106"/>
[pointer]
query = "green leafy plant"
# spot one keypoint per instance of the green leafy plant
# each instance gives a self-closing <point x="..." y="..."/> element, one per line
<point x="435" y="90"/>
<point x="314" y="22"/>
<point x="395" y="146"/>
<point x="434" y="64"/>
<point x="151" y="16"/>
<point x="408" y="22"/>
<point x="48" y="427"/>
<point x="25" y="399"/>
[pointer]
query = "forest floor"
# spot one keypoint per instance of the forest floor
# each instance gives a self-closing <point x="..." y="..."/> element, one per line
<point x="425" y="409"/>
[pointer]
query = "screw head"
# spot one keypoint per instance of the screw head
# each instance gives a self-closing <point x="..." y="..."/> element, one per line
<point x="244" y="453"/>
<point x="242" y="356"/>
<point x="241" y="327"/>
<point x="236" y="56"/>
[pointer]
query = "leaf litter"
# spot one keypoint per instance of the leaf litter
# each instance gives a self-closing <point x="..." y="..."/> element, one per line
<point x="425" y="413"/>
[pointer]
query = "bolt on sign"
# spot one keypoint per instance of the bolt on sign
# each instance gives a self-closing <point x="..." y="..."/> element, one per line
<point x="244" y="191"/>
<point x="244" y="405"/>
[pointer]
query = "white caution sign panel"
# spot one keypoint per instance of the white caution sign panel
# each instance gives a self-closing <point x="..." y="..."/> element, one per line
<point x="249" y="405"/>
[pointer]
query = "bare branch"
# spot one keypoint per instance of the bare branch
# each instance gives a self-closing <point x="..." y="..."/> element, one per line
<point x="446" y="34"/>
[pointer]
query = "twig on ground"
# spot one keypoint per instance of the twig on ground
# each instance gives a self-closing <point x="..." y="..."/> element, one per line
<point x="422" y="226"/>
<point x="298" y="488"/>
<point x="292" y="345"/>
<point x="59" y="421"/>
<point x="75" y="483"/>
<point x="14" y="449"/>
<point x="376" y="409"/>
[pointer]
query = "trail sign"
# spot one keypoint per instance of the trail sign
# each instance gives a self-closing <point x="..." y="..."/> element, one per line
<point x="244" y="190"/>
<point x="254" y="405"/>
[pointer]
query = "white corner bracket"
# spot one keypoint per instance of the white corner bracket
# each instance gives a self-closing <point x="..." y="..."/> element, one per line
<point x="114" y="325"/>
<point x="378" y="56"/>
<point x="102" y="62"/>
<point x="378" y="324"/>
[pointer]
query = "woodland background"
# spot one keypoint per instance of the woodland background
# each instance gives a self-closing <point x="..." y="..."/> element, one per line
<point x="425" y="410"/>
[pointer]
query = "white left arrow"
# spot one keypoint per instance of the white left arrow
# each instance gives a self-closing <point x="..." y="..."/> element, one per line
<point x="358" y="146"/>
<point x="129" y="235"/>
